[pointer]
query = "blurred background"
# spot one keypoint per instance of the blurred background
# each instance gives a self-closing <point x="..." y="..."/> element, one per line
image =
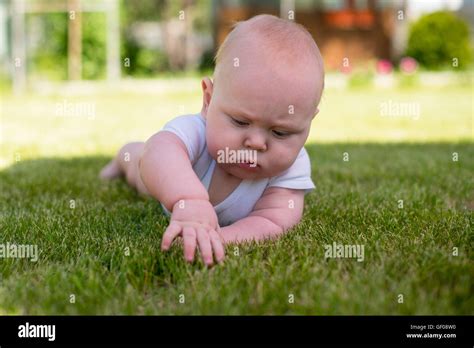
<point x="81" y="77"/>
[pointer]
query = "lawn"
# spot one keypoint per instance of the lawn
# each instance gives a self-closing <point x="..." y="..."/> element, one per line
<point x="100" y="242"/>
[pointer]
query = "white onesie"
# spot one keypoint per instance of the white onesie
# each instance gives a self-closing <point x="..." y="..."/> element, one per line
<point x="191" y="129"/>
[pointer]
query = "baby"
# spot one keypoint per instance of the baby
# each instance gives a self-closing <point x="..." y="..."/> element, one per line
<point x="237" y="171"/>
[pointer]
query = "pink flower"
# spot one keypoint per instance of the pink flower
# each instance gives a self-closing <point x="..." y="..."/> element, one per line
<point x="408" y="65"/>
<point x="384" y="66"/>
<point x="346" y="69"/>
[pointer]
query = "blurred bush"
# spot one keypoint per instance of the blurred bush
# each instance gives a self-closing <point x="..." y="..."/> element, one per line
<point x="94" y="54"/>
<point x="51" y="56"/>
<point x="48" y="56"/>
<point x="361" y="78"/>
<point x="408" y="81"/>
<point x="149" y="62"/>
<point x="436" y="38"/>
<point x="143" y="61"/>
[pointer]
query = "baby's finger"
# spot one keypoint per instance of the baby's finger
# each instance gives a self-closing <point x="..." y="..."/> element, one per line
<point x="171" y="233"/>
<point x="217" y="246"/>
<point x="189" y="236"/>
<point x="204" y="242"/>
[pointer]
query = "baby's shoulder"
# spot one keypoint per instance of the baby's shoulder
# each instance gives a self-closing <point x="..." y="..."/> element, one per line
<point x="191" y="129"/>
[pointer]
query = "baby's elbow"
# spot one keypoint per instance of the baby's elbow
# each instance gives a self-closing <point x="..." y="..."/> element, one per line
<point x="284" y="219"/>
<point x="293" y="220"/>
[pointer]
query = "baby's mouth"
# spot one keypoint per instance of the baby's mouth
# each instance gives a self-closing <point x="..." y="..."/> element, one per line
<point x="248" y="165"/>
<point x="252" y="164"/>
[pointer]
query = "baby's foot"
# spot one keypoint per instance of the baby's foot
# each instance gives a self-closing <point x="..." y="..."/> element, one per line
<point x="110" y="171"/>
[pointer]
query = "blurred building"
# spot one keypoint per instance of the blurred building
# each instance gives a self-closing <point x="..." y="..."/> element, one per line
<point x="360" y="30"/>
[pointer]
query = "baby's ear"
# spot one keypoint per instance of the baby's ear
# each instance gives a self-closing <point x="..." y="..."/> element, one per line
<point x="207" y="87"/>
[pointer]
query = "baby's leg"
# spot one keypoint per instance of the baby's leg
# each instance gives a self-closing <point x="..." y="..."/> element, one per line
<point x="126" y="163"/>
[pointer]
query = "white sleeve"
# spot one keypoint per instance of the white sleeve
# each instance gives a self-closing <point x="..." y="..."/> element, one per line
<point x="191" y="129"/>
<point x="298" y="176"/>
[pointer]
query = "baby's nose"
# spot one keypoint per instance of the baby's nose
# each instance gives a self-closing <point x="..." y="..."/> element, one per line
<point x="256" y="141"/>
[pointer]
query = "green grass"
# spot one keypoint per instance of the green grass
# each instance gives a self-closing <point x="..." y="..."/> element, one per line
<point x="408" y="251"/>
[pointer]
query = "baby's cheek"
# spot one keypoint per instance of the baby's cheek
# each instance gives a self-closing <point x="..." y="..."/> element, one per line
<point x="220" y="137"/>
<point x="215" y="142"/>
<point x="212" y="146"/>
<point x="284" y="158"/>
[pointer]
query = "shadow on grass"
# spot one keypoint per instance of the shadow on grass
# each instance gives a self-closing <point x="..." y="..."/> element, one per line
<point x="350" y="165"/>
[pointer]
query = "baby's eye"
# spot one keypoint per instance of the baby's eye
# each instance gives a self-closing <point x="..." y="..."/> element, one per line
<point x="280" y="134"/>
<point x="240" y="123"/>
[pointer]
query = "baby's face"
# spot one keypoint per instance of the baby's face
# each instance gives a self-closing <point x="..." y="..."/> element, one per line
<point x="261" y="108"/>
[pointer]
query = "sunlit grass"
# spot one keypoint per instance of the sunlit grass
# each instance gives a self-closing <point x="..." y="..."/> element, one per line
<point x="33" y="127"/>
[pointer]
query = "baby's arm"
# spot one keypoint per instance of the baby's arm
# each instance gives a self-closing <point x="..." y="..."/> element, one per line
<point x="167" y="172"/>
<point x="276" y="211"/>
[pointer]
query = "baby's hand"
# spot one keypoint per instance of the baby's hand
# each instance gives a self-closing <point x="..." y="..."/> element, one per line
<point x="196" y="221"/>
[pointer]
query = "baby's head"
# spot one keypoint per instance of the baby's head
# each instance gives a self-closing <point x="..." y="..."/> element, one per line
<point x="267" y="85"/>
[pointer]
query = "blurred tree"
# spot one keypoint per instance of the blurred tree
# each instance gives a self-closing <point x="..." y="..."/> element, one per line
<point x="51" y="55"/>
<point x="183" y="18"/>
<point x="138" y="61"/>
<point x="178" y="20"/>
<point x="94" y="55"/>
<point x="440" y="39"/>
